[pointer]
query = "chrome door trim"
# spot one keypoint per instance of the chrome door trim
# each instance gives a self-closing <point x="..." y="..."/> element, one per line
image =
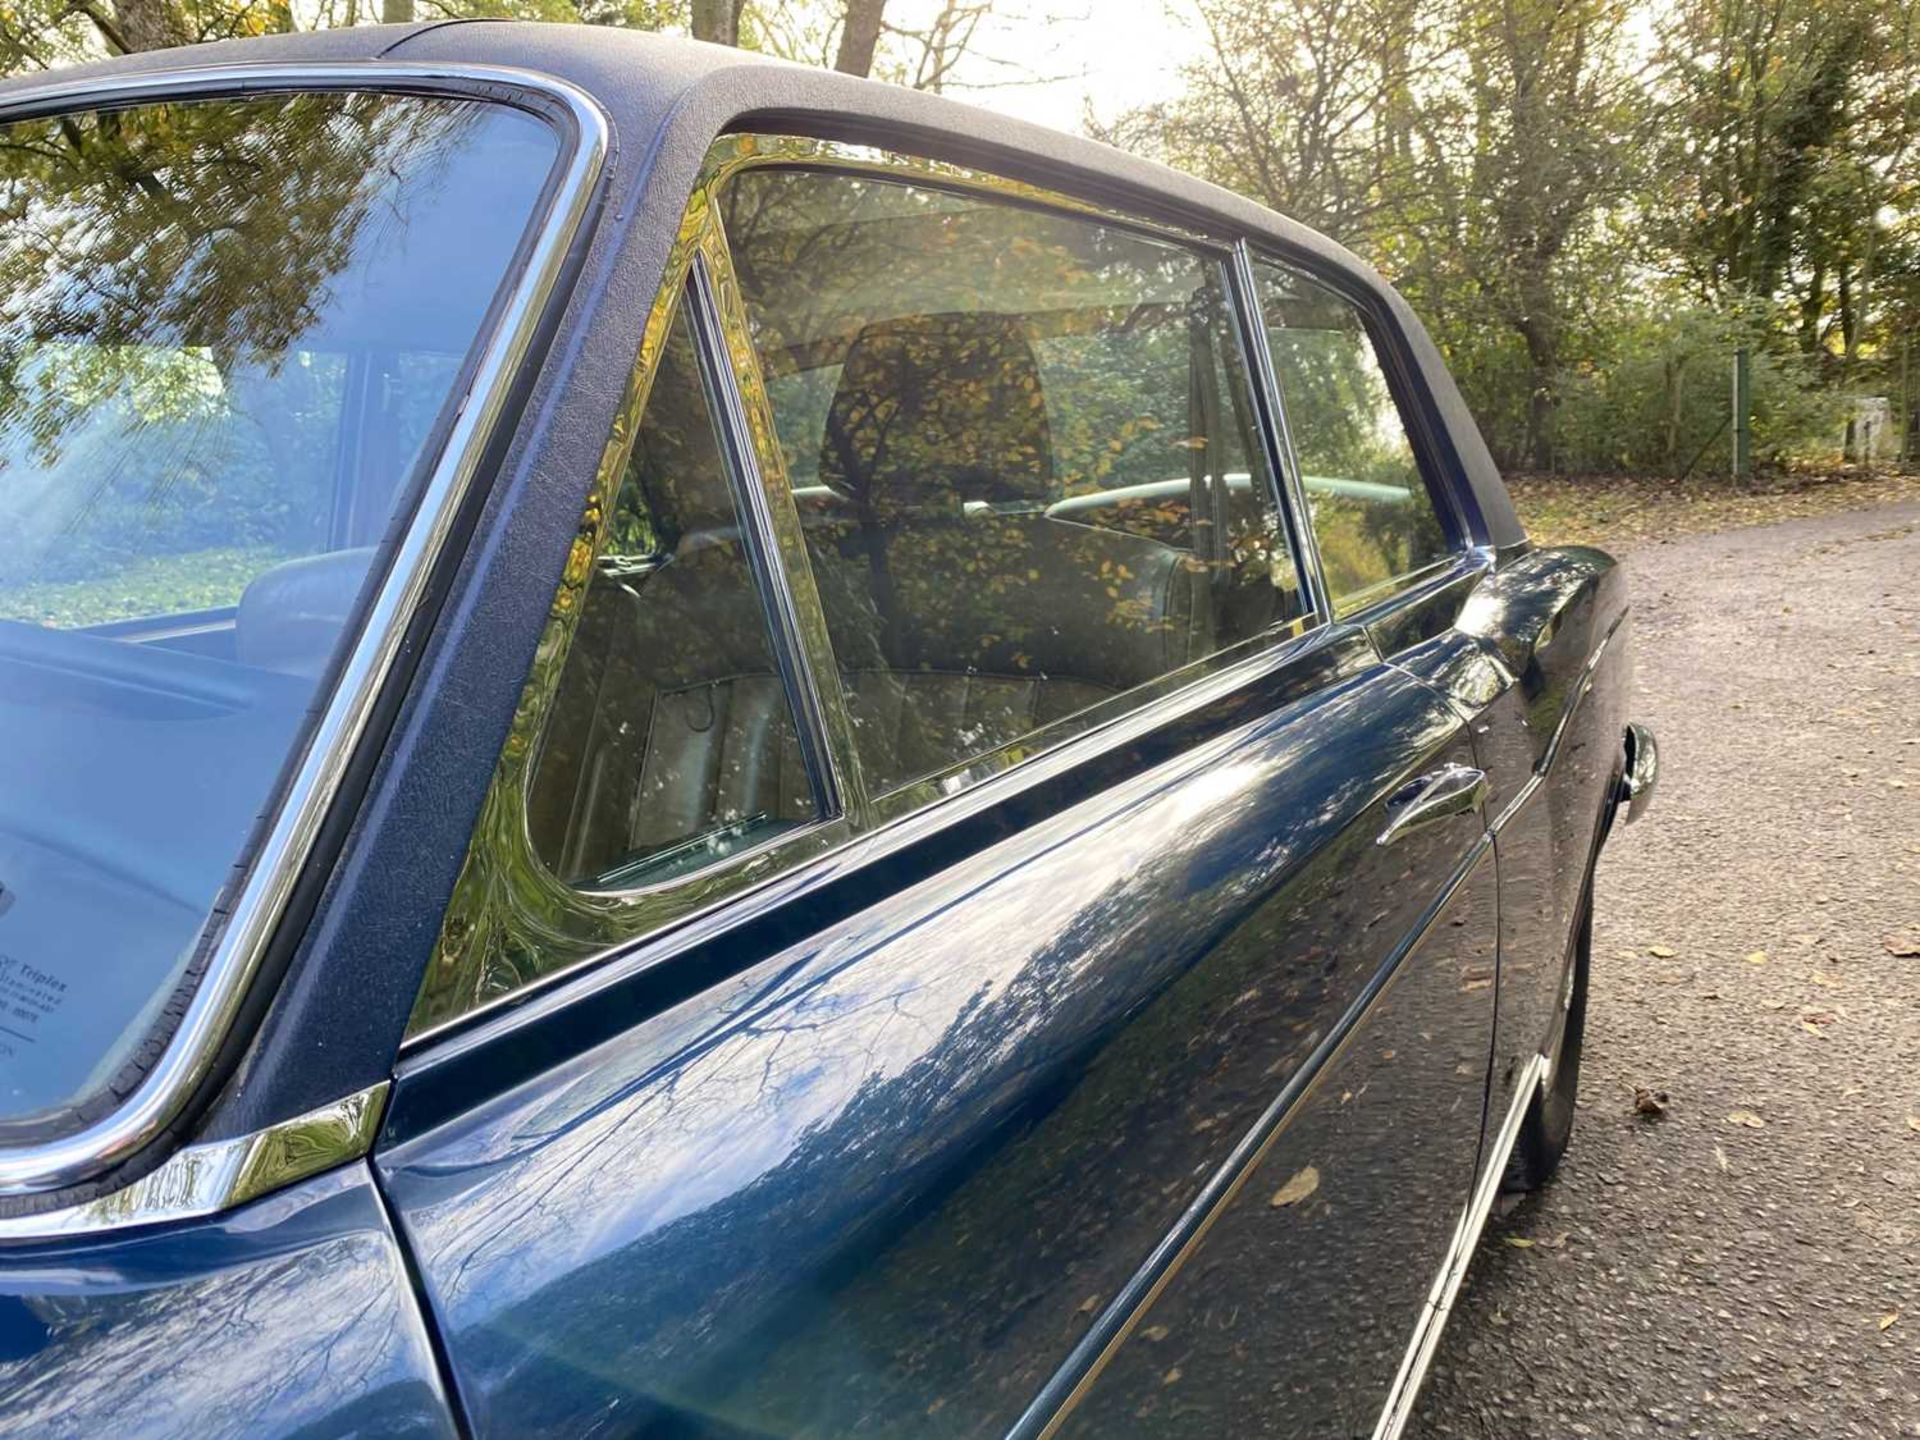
<point x="1116" y="1321"/>
<point x="204" y="1179"/>
<point x="1297" y="508"/>
<point x="211" y="1010"/>
<point x="1453" y="1270"/>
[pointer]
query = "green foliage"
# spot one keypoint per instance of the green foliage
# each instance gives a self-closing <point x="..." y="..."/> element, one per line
<point x="1593" y="204"/>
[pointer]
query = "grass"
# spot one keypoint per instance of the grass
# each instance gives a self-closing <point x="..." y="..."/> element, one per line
<point x="153" y="585"/>
<point x="1618" y="511"/>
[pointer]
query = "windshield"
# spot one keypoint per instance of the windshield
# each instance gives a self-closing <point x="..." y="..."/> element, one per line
<point x="229" y="330"/>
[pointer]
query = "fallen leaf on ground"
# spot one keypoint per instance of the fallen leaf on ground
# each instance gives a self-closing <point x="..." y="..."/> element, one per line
<point x="1756" y="957"/>
<point x="1813" y="1029"/>
<point x="1902" y="946"/>
<point x="1820" y="977"/>
<point x="1886" y="1320"/>
<point x="1746" y="1118"/>
<point x="1554" y="1242"/>
<point x="1720" y="1158"/>
<point x="1650" y="1103"/>
<point x="1913" y="1122"/>
<point x="1662" y="952"/>
<point x="1297" y="1189"/>
<point x="1519" y="1242"/>
<point x="1171" y="1377"/>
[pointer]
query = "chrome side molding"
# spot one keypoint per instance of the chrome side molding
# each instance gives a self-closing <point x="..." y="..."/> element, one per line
<point x="202" y="1179"/>
<point x="1433" y="1319"/>
<point x="1642" y="773"/>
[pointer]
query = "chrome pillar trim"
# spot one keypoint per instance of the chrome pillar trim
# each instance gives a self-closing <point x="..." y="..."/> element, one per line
<point x="1297" y="512"/>
<point x="1643" y="771"/>
<point x="256" y="909"/>
<point x="1453" y="1270"/>
<point x="205" y="1179"/>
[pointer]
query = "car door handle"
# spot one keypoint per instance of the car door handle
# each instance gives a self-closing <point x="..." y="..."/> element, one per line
<point x="1451" y="790"/>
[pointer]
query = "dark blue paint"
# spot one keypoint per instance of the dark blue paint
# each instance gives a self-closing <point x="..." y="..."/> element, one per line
<point x="886" y="1178"/>
<point x="291" y="1317"/>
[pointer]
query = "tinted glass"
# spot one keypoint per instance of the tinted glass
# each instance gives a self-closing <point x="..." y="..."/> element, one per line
<point x="227" y="331"/>
<point x="1021" y="450"/>
<point x="1373" y="515"/>
<point x="671" y="742"/>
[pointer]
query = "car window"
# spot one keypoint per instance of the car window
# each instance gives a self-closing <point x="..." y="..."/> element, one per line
<point x="671" y="742"/>
<point x="1021" y="449"/>
<point x="227" y="328"/>
<point x="1374" y="518"/>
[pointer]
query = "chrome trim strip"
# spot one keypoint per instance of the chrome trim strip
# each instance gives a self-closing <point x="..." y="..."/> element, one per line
<point x="715" y="913"/>
<point x="1643" y="771"/>
<point x="203" y="1179"/>
<point x="1050" y="1408"/>
<point x="1269" y="396"/>
<point x="215" y="1003"/>
<point x="770" y="570"/>
<point x="1453" y="1270"/>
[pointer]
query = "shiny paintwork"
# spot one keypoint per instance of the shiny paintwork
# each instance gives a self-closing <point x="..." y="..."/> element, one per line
<point x="921" y="1151"/>
<point x="292" y="1316"/>
<point x="998" y="1117"/>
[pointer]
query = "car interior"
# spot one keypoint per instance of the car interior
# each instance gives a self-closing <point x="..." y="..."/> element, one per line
<point x="967" y="609"/>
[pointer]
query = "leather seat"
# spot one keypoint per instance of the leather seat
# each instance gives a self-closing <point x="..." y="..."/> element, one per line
<point x="962" y="615"/>
<point x="671" y="731"/>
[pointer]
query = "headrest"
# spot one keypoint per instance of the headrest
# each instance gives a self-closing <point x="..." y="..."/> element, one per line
<point x="936" y="410"/>
<point x="290" y="617"/>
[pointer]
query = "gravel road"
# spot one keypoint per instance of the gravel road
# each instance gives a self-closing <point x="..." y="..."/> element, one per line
<point x="1747" y="1264"/>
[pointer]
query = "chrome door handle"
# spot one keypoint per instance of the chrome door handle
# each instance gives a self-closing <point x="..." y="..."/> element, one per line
<point x="1451" y="790"/>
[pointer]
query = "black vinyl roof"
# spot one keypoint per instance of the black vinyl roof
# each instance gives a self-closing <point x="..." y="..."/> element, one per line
<point x="668" y="98"/>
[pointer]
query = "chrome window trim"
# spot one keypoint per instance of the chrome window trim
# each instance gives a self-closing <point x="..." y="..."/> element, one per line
<point x="206" y="1179"/>
<point x="663" y="919"/>
<point x="1442" y="488"/>
<point x="725" y="907"/>
<point x="213" y="1007"/>
<point x="1295" y="507"/>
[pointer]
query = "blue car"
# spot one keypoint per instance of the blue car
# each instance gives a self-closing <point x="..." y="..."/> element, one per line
<point x="691" y="748"/>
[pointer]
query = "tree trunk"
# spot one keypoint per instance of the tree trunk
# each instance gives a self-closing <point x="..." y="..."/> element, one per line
<point x="859" y="37"/>
<point x="717" y="21"/>
<point x="149" y="25"/>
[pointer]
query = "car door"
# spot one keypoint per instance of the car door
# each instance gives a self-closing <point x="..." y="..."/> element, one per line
<point x="1298" y="1311"/>
<point x="946" y="847"/>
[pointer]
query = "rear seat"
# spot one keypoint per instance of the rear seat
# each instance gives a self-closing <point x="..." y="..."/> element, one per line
<point x="962" y="615"/>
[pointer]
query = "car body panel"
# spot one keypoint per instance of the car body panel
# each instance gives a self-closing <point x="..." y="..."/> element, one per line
<point x="926" y="1148"/>
<point x="293" y="1316"/>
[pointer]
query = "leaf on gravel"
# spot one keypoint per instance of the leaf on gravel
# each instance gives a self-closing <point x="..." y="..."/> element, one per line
<point x="1903" y="946"/>
<point x="1813" y="1029"/>
<point x="1756" y="957"/>
<point x="1554" y="1242"/>
<point x="1821" y="977"/>
<point x="1886" y="1320"/>
<point x="1720" y="1159"/>
<point x="1662" y="952"/>
<point x="1913" y="1122"/>
<point x="1296" y="1189"/>
<point x="1746" y="1118"/>
<point x="1519" y="1242"/>
<point x="1651" y="1104"/>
